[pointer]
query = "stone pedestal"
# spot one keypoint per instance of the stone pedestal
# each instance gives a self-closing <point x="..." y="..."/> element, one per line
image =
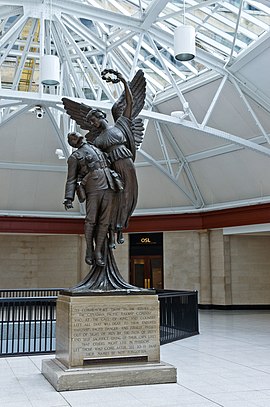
<point x="106" y="341"/>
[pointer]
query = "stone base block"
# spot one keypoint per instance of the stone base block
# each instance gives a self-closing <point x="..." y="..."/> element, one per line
<point x="91" y="329"/>
<point x="135" y="374"/>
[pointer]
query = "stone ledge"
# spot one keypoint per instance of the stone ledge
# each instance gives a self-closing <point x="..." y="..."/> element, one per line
<point x="97" y="377"/>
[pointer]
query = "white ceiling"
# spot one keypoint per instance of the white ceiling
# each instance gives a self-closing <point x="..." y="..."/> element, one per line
<point x="216" y="156"/>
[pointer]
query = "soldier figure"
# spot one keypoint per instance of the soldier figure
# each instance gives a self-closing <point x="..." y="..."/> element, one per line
<point x="90" y="176"/>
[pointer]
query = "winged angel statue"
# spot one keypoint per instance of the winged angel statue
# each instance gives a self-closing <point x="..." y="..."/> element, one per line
<point x="114" y="148"/>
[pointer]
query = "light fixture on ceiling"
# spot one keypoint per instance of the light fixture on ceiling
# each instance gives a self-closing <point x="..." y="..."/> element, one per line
<point x="50" y="64"/>
<point x="178" y="113"/>
<point x="184" y="41"/>
<point x="39" y="112"/>
<point x="60" y="154"/>
<point x="50" y="69"/>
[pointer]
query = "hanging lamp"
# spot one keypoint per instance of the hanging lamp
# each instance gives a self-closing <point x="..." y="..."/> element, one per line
<point x="50" y="70"/>
<point x="50" y="64"/>
<point x="184" y="41"/>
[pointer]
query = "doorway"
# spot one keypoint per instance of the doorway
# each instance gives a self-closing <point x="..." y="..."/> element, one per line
<point x="146" y="260"/>
<point x="147" y="271"/>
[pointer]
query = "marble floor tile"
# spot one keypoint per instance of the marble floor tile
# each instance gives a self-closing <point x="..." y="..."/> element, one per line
<point x="227" y="365"/>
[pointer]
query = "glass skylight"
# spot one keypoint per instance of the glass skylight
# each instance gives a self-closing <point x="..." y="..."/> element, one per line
<point x="127" y="35"/>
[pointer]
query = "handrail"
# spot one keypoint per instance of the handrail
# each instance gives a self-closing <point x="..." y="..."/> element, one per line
<point x="28" y="292"/>
<point x="172" y="293"/>
<point x="27" y="324"/>
<point x="29" y="300"/>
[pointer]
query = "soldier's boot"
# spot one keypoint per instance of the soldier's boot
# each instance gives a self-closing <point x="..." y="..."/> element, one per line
<point x="111" y="238"/>
<point x="100" y="240"/>
<point x="89" y="230"/>
<point x="120" y="237"/>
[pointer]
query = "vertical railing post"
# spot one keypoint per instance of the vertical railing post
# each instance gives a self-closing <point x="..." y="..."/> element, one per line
<point x="179" y="315"/>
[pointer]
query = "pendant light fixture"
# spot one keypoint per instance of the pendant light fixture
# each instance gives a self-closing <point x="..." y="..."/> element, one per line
<point x="184" y="41"/>
<point x="50" y="64"/>
<point x="50" y="68"/>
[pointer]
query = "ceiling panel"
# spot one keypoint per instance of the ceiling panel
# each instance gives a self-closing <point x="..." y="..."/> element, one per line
<point x="216" y="155"/>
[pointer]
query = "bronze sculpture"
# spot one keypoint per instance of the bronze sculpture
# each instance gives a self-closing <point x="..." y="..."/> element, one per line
<point x="89" y="175"/>
<point x="114" y="147"/>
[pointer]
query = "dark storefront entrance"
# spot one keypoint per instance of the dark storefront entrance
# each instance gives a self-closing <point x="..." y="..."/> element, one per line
<point x="146" y="260"/>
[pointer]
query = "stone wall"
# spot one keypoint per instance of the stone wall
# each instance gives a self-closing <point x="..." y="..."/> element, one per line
<point x="250" y="269"/>
<point x="224" y="269"/>
<point x="30" y="261"/>
<point x="181" y="261"/>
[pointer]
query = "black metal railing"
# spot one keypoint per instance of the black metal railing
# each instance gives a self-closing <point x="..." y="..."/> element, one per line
<point x="178" y="315"/>
<point x="29" y="292"/>
<point x="27" y="324"/>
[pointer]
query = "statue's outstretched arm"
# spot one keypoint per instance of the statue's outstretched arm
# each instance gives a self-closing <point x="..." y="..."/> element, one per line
<point x="124" y="105"/>
<point x="129" y="97"/>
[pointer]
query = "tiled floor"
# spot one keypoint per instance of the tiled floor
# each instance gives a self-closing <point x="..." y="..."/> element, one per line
<point x="227" y="365"/>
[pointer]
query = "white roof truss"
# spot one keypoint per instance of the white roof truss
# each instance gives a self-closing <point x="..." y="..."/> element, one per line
<point x="91" y="35"/>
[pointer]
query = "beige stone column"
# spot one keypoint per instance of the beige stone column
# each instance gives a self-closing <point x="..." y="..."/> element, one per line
<point x="205" y="292"/>
<point x="217" y="267"/>
<point x="227" y="270"/>
<point x="181" y="260"/>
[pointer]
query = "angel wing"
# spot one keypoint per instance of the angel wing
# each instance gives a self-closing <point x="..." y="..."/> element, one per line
<point x="78" y="112"/>
<point x="138" y="131"/>
<point x="138" y="90"/>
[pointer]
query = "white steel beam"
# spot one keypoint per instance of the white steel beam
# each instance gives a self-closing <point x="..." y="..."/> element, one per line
<point x="211" y="207"/>
<point x="247" y="16"/>
<point x="83" y="10"/>
<point x="85" y="60"/>
<point x="21" y="64"/>
<point x="59" y="40"/>
<point x="10" y="11"/>
<point x="152" y="12"/>
<point x="208" y="131"/>
<point x="184" y="166"/>
<point x="215" y="152"/>
<point x="236" y="31"/>
<point x="13" y="30"/>
<point x="163" y="148"/>
<point x="173" y="82"/>
<point x="52" y="100"/>
<point x="193" y="83"/>
<point x="262" y="5"/>
<point x="251" y="52"/>
<point x="136" y="56"/>
<point x="189" y="9"/>
<point x="13" y="114"/>
<point x="251" y="111"/>
<point x="32" y="167"/>
<point x="74" y="24"/>
<point x="155" y="164"/>
<point x="154" y="50"/>
<point x="42" y="214"/>
<point x="59" y="134"/>
<point x="214" y="101"/>
<point x="120" y="41"/>
<point x="9" y="103"/>
<point x="224" y="20"/>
